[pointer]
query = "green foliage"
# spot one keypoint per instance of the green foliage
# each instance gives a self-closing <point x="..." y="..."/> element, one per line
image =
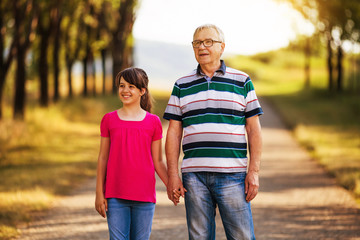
<point x="326" y="123"/>
<point x="328" y="126"/>
<point x="44" y="157"/>
<point x="274" y="72"/>
<point x="60" y="33"/>
<point x="49" y="154"/>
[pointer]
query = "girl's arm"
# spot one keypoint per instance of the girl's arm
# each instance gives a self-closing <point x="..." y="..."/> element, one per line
<point x="100" y="201"/>
<point x="160" y="167"/>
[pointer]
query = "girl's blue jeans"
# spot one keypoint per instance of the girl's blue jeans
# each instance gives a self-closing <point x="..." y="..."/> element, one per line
<point x="205" y="191"/>
<point x="129" y="220"/>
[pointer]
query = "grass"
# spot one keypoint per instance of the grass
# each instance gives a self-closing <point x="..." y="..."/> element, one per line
<point x="329" y="128"/>
<point x="326" y="124"/>
<point x="49" y="154"/>
<point x="42" y="158"/>
<point x="56" y="148"/>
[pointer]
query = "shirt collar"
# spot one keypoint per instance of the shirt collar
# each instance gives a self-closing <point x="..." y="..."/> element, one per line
<point x="222" y="68"/>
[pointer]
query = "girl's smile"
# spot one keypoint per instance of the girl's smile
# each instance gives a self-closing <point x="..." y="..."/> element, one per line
<point x="129" y="93"/>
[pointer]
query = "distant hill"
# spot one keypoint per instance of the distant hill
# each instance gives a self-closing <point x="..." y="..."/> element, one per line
<point x="163" y="62"/>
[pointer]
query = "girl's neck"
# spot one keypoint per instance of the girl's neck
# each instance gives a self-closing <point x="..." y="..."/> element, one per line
<point x="131" y="113"/>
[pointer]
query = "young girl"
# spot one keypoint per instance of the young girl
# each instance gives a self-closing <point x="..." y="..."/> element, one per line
<point x="130" y="150"/>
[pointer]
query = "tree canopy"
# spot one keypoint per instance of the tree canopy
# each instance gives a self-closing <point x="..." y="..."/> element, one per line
<point x="338" y="21"/>
<point x="53" y="35"/>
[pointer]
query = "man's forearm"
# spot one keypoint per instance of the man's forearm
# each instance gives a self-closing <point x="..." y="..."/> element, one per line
<point x="172" y="147"/>
<point x="172" y="150"/>
<point x="255" y="148"/>
<point x="255" y="144"/>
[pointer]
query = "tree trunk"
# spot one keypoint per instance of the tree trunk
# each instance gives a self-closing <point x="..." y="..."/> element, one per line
<point x="56" y="50"/>
<point x="355" y="79"/>
<point x="340" y="56"/>
<point x="69" y="66"/>
<point x="329" y="64"/>
<point x="56" y="69"/>
<point x="352" y="84"/>
<point x="103" y="27"/>
<point x="20" y="80"/>
<point x="103" y="65"/>
<point x="44" y="68"/>
<point x="4" y="67"/>
<point x="2" y="70"/>
<point x="72" y="52"/>
<point x="125" y="24"/>
<point x="117" y="64"/>
<point x="94" y="76"/>
<point x="2" y="83"/>
<point x="85" y="76"/>
<point x="307" y="63"/>
<point x="25" y="19"/>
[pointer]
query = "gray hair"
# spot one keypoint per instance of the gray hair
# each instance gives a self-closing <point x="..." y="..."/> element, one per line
<point x="211" y="26"/>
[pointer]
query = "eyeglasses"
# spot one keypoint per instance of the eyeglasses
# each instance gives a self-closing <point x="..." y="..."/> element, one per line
<point x="207" y="43"/>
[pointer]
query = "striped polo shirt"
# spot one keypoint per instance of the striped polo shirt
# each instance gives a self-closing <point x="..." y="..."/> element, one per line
<point x="213" y="113"/>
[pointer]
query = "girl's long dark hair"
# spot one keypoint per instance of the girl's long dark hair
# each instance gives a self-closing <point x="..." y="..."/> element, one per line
<point x="139" y="78"/>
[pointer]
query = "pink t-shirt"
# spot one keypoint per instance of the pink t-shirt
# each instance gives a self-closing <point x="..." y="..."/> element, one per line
<point x="130" y="170"/>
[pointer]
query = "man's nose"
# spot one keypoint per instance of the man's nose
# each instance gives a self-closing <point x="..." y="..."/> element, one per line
<point x="202" y="45"/>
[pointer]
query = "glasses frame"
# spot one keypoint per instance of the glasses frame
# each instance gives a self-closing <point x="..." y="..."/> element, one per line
<point x="203" y="42"/>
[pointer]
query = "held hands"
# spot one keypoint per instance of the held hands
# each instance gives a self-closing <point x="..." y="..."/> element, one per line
<point x="175" y="189"/>
<point x="101" y="205"/>
<point x="177" y="194"/>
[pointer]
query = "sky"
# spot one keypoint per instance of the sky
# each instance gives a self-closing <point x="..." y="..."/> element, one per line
<point x="249" y="26"/>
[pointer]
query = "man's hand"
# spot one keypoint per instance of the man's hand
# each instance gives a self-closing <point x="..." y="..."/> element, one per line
<point x="175" y="189"/>
<point x="251" y="185"/>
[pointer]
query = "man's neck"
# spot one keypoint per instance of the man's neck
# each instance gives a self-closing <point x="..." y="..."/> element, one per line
<point x="210" y="69"/>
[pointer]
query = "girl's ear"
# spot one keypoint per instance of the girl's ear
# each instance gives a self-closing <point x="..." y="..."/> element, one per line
<point x="143" y="91"/>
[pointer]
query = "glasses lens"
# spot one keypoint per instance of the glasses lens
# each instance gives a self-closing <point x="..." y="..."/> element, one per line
<point x="196" y="44"/>
<point x="208" y="43"/>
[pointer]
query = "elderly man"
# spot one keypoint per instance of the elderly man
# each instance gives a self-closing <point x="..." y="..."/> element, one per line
<point x="214" y="107"/>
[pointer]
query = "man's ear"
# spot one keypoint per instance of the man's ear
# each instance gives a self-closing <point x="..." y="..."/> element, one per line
<point x="222" y="47"/>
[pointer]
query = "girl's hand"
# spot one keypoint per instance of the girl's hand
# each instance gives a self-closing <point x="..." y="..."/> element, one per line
<point x="101" y="205"/>
<point x="177" y="195"/>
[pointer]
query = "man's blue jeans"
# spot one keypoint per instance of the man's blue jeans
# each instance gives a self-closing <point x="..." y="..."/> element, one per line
<point x="205" y="191"/>
<point x="129" y="220"/>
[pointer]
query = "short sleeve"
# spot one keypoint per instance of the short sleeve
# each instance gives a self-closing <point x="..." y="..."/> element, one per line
<point x="104" y="126"/>
<point x="158" y="129"/>
<point x="253" y="107"/>
<point x="173" y="110"/>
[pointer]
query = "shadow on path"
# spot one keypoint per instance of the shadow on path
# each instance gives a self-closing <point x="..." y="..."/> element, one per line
<point x="297" y="200"/>
<point x="73" y="217"/>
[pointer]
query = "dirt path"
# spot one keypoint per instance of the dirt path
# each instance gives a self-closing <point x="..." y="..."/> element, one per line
<point x="297" y="200"/>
